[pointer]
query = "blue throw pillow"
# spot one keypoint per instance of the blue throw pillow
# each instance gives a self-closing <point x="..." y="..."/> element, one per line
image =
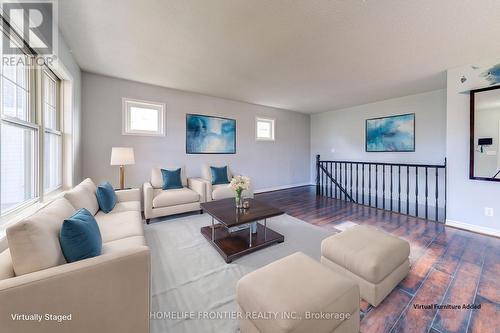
<point x="171" y="179"/>
<point x="80" y="237"/>
<point x="106" y="197"/>
<point x="219" y="175"/>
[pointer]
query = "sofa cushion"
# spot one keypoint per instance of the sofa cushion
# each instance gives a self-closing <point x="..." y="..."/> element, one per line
<point x="125" y="206"/>
<point x="157" y="177"/>
<point x="34" y="242"/>
<point x="6" y="268"/>
<point x="175" y="197"/>
<point x="80" y="236"/>
<point x="119" y="225"/>
<point x="123" y="244"/>
<point x="106" y="197"/>
<point x="223" y="191"/>
<point x="297" y="284"/>
<point x="367" y="252"/>
<point x="171" y="179"/>
<point x="83" y="196"/>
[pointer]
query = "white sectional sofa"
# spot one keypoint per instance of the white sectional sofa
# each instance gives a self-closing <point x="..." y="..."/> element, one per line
<point x="159" y="202"/>
<point x="107" y="293"/>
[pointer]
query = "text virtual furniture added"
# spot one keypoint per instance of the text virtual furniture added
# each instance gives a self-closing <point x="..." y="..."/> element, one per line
<point x="233" y="244"/>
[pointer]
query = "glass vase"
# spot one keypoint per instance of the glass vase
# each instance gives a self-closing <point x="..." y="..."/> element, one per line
<point x="239" y="201"/>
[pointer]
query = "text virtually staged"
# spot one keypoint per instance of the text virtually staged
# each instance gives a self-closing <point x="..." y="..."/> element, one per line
<point x="249" y="166"/>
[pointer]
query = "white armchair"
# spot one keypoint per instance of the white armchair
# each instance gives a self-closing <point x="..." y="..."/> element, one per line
<point x="159" y="202"/>
<point x="221" y="191"/>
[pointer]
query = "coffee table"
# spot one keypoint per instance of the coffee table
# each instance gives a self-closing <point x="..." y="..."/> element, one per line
<point x="232" y="245"/>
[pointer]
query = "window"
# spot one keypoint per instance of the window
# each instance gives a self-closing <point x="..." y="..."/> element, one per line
<point x="19" y="135"/>
<point x="31" y="139"/>
<point x="264" y="129"/>
<point x="52" y="132"/>
<point x="143" y="118"/>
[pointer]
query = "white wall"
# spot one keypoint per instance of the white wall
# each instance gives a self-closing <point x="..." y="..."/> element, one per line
<point x="344" y="130"/>
<point x="270" y="164"/>
<point x="467" y="198"/>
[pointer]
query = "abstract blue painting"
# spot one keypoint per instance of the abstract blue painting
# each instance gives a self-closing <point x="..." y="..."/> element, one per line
<point x="394" y="134"/>
<point x="210" y="135"/>
<point x="492" y="75"/>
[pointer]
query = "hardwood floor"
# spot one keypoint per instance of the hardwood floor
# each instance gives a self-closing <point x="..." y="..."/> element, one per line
<point x="448" y="266"/>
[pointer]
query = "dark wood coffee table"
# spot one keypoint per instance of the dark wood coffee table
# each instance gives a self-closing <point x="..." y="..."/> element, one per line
<point x="232" y="245"/>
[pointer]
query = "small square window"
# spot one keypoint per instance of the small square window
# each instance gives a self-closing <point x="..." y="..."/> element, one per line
<point x="143" y="118"/>
<point x="264" y="129"/>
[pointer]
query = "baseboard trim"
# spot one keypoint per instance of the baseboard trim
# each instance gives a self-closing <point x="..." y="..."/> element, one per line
<point x="283" y="187"/>
<point x="474" y="228"/>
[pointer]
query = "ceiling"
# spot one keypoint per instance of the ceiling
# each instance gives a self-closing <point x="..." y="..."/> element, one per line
<point x="307" y="56"/>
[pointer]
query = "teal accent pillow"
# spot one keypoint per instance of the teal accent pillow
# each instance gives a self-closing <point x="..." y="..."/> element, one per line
<point x="80" y="237"/>
<point x="106" y="197"/>
<point x="219" y="175"/>
<point x="171" y="179"/>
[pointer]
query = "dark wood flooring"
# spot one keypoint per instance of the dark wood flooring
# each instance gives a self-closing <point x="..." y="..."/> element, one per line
<point x="448" y="266"/>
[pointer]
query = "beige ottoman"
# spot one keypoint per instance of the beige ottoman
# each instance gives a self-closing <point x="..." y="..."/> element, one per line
<point x="377" y="261"/>
<point x="297" y="294"/>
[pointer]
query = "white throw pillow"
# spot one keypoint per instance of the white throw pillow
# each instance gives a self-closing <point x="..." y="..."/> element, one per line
<point x="34" y="242"/>
<point x="83" y="196"/>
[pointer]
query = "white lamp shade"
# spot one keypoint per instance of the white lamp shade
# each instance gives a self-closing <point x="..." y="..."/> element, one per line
<point x="122" y="156"/>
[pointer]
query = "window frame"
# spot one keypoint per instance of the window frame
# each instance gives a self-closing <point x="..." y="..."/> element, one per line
<point x="128" y="103"/>
<point x="51" y="131"/>
<point x="31" y="123"/>
<point x="263" y="119"/>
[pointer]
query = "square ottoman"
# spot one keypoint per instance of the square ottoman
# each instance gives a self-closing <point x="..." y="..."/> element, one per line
<point x="297" y="294"/>
<point x="376" y="260"/>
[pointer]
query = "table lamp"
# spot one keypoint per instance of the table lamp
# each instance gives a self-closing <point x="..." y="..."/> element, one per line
<point x="122" y="156"/>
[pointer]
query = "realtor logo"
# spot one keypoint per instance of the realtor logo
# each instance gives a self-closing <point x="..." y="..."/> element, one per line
<point x="31" y="21"/>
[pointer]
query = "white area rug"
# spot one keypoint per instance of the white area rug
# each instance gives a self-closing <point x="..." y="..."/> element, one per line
<point x="191" y="280"/>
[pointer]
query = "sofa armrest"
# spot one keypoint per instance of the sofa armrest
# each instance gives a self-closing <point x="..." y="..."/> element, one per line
<point x="133" y="194"/>
<point x="107" y="293"/>
<point x="148" y="199"/>
<point x="208" y="188"/>
<point x="199" y="187"/>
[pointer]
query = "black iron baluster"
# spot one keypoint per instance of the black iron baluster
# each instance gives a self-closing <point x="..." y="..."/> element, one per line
<point x="345" y="179"/>
<point x="436" y="217"/>
<point x="335" y="178"/>
<point x="416" y="191"/>
<point x="340" y="178"/>
<point x="369" y="184"/>
<point x="407" y="190"/>
<point x="391" y="187"/>
<point x="376" y="185"/>
<point x="357" y="183"/>
<point x="330" y="167"/>
<point x="383" y="186"/>
<point x="426" y="194"/>
<point x="317" y="174"/>
<point x="363" y="183"/>
<point x="350" y="186"/>
<point x="321" y="182"/>
<point x="399" y="188"/>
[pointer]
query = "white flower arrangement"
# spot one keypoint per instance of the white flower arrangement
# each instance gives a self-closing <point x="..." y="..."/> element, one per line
<point x="239" y="183"/>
